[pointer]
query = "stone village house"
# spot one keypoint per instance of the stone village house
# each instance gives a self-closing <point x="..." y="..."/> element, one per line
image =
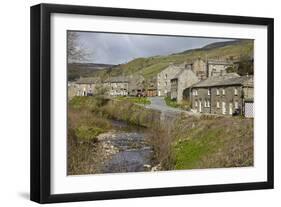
<point x="164" y="79"/>
<point x="224" y="95"/>
<point x="82" y="87"/>
<point x="201" y="68"/>
<point x="114" y="86"/>
<point x="183" y="79"/>
<point x="117" y="86"/>
<point x="131" y="85"/>
<point x="210" y="67"/>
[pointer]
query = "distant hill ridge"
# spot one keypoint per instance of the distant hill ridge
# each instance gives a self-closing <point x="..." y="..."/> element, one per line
<point x="76" y="70"/>
<point x="149" y="67"/>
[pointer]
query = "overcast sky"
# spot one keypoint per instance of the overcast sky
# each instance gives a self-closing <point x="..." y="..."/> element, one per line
<point x="113" y="48"/>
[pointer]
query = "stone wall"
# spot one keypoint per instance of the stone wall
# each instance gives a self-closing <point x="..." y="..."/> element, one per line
<point x="226" y="103"/>
<point x="185" y="80"/>
<point x="217" y="69"/>
<point x="174" y="88"/>
<point x="201" y="100"/>
<point x="118" y="88"/>
<point x="136" y="83"/>
<point x="199" y="67"/>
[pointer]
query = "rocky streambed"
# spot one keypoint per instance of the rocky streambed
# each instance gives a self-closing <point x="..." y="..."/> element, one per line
<point x="125" y="149"/>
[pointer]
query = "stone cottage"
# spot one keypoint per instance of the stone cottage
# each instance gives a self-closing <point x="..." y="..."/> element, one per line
<point x="83" y="87"/>
<point x="164" y="77"/>
<point x="210" y="67"/>
<point x="201" y="68"/>
<point x="222" y="94"/>
<point x="183" y="79"/>
<point x="117" y="86"/>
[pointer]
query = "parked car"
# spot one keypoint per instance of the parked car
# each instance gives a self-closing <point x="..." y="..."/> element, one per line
<point x="141" y="93"/>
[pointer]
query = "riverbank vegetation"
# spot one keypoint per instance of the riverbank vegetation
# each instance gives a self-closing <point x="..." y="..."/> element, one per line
<point x="138" y="100"/>
<point x="212" y="142"/>
<point x="88" y="117"/>
<point x="179" y="142"/>
<point x="184" y="104"/>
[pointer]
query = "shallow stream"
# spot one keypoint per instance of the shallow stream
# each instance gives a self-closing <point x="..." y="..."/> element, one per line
<point x="130" y="152"/>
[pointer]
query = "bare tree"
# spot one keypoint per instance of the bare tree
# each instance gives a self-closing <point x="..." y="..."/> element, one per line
<point x="75" y="50"/>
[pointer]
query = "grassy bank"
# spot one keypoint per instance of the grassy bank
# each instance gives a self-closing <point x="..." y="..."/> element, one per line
<point x="90" y="116"/>
<point x="84" y="125"/>
<point x="211" y="142"/>
<point x="184" y="104"/>
<point x="138" y="100"/>
<point x="171" y="103"/>
<point x="182" y="142"/>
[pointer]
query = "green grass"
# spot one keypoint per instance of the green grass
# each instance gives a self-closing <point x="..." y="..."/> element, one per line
<point x="138" y="100"/>
<point x="188" y="152"/>
<point x="88" y="133"/>
<point x="171" y="103"/>
<point x="213" y="142"/>
<point x="154" y="69"/>
<point x="131" y="113"/>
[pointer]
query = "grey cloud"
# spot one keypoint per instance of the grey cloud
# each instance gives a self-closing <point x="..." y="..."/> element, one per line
<point x="115" y="48"/>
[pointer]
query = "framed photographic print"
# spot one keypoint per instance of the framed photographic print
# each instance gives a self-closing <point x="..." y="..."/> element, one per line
<point x="133" y="103"/>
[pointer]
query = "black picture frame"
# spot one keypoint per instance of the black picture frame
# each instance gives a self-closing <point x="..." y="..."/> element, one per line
<point x="41" y="98"/>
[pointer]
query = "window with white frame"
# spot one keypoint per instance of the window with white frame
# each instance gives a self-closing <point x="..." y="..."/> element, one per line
<point x="218" y="91"/>
<point x="218" y="104"/>
<point x="236" y="105"/>
<point x="209" y="91"/>
<point x="235" y="91"/>
<point x="205" y="103"/>
<point x="196" y="104"/>
<point x="208" y="103"/>
<point x="223" y="91"/>
<point x="195" y="93"/>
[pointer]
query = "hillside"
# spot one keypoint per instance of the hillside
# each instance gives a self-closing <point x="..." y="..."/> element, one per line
<point x="149" y="67"/>
<point x="75" y="70"/>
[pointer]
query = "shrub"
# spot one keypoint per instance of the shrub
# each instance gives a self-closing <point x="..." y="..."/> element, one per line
<point x="88" y="134"/>
<point x="171" y="102"/>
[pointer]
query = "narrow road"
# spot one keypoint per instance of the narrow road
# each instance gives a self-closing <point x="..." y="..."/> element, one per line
<point x="158" y="103"/>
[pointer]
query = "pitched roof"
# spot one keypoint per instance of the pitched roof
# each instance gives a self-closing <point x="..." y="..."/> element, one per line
<point x="219" y="62"/>
<point x="117" y="79"/>
<point x="89" y="80"/>
<point x="178" y="74"/>
<point x="228" y="79"/>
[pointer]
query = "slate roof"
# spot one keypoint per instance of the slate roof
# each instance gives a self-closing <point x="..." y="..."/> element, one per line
<point x="90" y="80"/>
<point x="229" y="79"/>
<point x="117" y="79"/>
<point x="219" y="62"/>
